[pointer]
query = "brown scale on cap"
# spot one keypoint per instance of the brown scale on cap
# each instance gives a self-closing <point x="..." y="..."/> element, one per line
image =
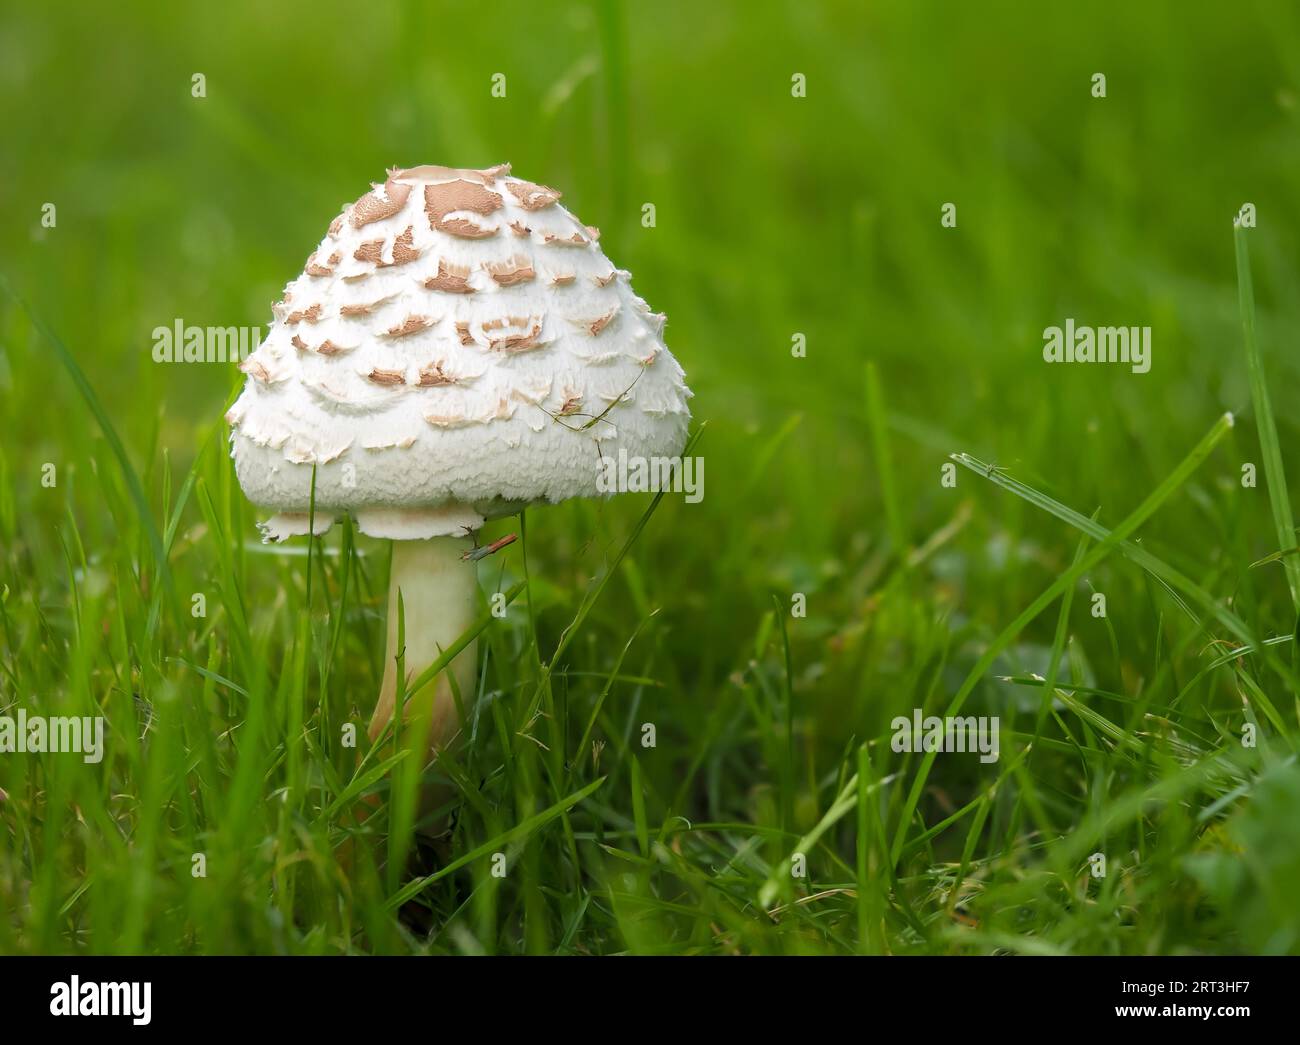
<point x="520" y="229"/>
<point x="254" y="369"/>
<point x="447" y="197"/>
<point x="325" y="348"/>
<point x="592" y="231"/>
<point x="604" y="281"/>
<point x="372" y="250"/>
<point x="576" y="240"/>
<point x="533" y="391"/>
<point x="451" y="279"/>
<point x="600" y="323"/>
<point x="571" y="404"/>
<point x="563" y="280"/>
<point x="511" y="273"/>
<point x="427" y="170"/>
<point x="403" y="251"/>
<point x="387" y="377"/>
<point x="502" y="411"/>
<point x="363" y="309"/>
<point x="410" y="325"/>
<point x="433" y="172"/>
<point x="507" y="321"/>
<point x="514" y="342"/>
<point x="371" y="208"/>
<point x="466" y="338"/>
<point x="465" y="229"/>
<point x="446" y="420"/>
<point x="308" y="315"/>
<point x="336" y="257"/>
<point x="336" y="226"/>
<point x="432" y="376"/>
<point x="532" y="196"/>
<point x="313" y="269"/>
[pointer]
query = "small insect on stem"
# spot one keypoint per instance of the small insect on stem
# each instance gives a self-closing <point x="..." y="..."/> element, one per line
<point x="474" y="554"/>
<point x="595" y="418"/>
<point x="992" y="470"/>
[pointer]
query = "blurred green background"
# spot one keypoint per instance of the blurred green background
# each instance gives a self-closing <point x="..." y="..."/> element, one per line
<point x="776" y="215"/>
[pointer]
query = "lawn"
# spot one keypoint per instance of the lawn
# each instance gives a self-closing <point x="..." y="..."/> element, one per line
<point x="863" y="218"/>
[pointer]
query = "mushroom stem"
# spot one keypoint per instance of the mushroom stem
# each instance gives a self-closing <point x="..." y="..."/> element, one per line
<point x="439" y="603"/>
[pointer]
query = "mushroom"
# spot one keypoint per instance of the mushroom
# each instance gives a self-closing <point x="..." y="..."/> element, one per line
<point x="468" y="350"/>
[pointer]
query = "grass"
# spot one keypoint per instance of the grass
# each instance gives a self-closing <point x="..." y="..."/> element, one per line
<point x="230" y="813"/>
<point x="1274" y="474"/>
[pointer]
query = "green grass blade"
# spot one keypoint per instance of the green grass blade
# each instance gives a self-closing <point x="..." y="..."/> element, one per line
<point x="1274" y="474"/>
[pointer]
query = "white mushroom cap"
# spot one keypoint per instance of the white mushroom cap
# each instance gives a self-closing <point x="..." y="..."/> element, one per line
<point x="441" y="360"/>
